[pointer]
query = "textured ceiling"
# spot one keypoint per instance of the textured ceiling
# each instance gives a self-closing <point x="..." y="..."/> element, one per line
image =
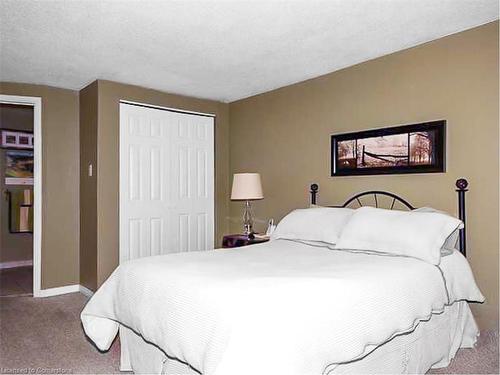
<point x="219" y="50"/>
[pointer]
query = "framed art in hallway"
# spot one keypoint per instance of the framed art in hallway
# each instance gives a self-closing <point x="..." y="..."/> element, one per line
<point x="13" y="139"/>
<point x="19" y="167"/>
<point x="416" y="148"/>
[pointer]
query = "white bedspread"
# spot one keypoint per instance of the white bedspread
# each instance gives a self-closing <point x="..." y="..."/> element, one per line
<point x="277" y="308"/>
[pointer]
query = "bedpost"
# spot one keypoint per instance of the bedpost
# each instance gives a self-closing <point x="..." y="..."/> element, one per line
<point x="314" y="191"/>
<point x="461" y="185"/>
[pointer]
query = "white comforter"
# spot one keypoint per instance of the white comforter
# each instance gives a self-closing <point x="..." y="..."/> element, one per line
<point x="277" y="308"/>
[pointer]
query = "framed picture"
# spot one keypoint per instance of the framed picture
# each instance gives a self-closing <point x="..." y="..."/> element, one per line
<point x="416" y="148"/>
<point x="19" y="167"/>
<point x="20" y="210"/>
<point x="15" y="139"/>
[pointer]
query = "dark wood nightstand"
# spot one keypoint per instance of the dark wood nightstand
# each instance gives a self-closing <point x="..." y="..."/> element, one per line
<point x="238" y="240"/>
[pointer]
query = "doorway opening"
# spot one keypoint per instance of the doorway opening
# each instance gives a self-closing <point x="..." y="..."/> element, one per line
<point x="20" y="200"/>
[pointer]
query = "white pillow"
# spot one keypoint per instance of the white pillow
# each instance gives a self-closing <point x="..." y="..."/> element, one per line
<point x="408" y="233"/>
<point x="451" y="242"/>
<point x="313" y="224"/>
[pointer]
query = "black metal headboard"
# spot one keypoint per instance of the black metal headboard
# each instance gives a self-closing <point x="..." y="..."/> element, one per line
<point x="461" y="185"/>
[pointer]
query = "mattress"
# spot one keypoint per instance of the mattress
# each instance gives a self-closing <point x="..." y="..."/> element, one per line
<point x="432" y="344"/>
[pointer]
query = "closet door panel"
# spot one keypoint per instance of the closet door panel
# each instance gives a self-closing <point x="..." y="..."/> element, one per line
<point x="166" y="182"/>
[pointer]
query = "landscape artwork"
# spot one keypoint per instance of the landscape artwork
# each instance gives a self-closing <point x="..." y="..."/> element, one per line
<point x="19" y="168"/>
<point x="416" y="148"/>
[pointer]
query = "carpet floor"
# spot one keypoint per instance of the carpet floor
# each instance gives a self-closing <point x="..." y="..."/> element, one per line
<point x="45" y="334"/>
<point x="16" y="281"/>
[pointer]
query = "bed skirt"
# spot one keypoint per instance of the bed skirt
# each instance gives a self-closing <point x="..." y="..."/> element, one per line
<point x="433" y="344"/>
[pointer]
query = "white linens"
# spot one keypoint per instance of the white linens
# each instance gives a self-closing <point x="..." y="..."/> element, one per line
<point x="433" y="343"/>
<point x="279" y="307"/>
<point x="451" y="242"/>
<point x="460" y="282"/>
<point x="409" y="233"/>
<point x="319" y="224"/>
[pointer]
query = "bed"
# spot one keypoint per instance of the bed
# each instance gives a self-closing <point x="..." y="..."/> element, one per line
<point x="291" y="306"/>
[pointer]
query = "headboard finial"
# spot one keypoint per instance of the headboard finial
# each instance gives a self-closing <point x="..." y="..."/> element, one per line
<point x="462" y="184"/>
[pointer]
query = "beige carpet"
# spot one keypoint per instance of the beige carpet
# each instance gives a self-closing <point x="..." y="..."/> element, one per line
<point x="16" y="281"/>
<point x="45" y="333"/>
<point x="483" y="359"/>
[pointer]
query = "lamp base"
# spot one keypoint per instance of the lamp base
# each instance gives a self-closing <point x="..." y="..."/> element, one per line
<point x="247" y="219"/>
<point x="247" y="230"/>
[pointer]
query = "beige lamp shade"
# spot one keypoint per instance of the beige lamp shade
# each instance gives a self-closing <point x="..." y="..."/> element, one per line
<point x="246" y="186"/>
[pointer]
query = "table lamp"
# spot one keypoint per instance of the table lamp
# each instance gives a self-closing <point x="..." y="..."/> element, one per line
<point x="247" y="187"/>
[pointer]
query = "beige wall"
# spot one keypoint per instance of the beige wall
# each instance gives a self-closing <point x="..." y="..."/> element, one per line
<point x="13" y="246"/>
<point x="60" y="165"/>
<point x="285" y="135"/>
<point x="109" y="95"/>
<point x="88" y="186"/>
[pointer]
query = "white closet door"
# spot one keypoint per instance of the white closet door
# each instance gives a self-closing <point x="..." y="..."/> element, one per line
<point x="166" y="182"/>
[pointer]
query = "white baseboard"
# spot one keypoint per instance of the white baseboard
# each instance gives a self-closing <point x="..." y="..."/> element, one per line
<point x="86" y="291"/>
<point x="58" y="291"/>
<point x="17" y="263"/>
<point x="51" y="292"/>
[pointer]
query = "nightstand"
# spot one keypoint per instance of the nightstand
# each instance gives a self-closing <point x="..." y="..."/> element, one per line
<point x="238" y="240"/>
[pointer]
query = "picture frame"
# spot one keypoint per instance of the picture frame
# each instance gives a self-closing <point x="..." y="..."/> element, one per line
<point x="20" y="211"/>
<point x="16" y="139"/>
<point x="414" y="148"/>
<point x="19" y="167"/>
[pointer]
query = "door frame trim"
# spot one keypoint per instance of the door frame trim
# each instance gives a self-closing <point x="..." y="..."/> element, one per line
<point x="170" y="109"/>
<point x="36" y="103"/>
